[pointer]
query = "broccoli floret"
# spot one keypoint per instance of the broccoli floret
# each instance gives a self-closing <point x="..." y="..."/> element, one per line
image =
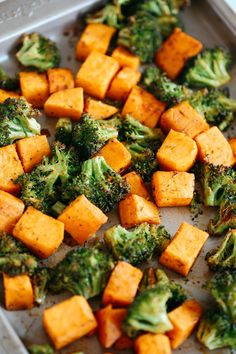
<point x="83" y="271"/>
<point x="137" y="245"/>
<point x="224" y="220"/>
<point x="63" y="132"/>
<point x="18" y="263"/>
<point x="99" y="183"/>
<point x="17" y="121"/>
<point x="209" y="69"/>
<point x="8" y="83"/>
<point x="40" y="282"/>
<point x="216" y="331"/>
<point x="9" y="244"/>
<point x="40" y="349"/>
<point x="224" y="257"/>
<point x="38" y="52"/>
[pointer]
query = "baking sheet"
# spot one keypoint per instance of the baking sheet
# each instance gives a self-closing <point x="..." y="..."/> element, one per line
<point x="59" y="20"/>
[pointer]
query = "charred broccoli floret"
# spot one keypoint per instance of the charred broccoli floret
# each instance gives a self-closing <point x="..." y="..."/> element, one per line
<point x="40" y="283"/>
<point x="18" y="263"/>
<point x="99" y="183"/>
<point x="83" y="271"/>
<point x="63" y="132"/>
<point x="224" y="220"/>
<point x="17" y="121"/>
<point x="38" y="52"/>
<point x="40" y="349"/>
<point x="9" y="244"/>
<point x="8" y="83"/>
<point x="137" y="245"/>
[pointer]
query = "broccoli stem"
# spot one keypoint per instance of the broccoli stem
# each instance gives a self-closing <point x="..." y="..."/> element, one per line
<point x="58" y="208"/>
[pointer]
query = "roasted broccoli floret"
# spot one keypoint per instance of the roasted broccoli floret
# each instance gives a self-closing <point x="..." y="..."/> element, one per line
<point x="63" y="132"/>
<point x="83" y="271"/>
<point x="40" y="283"/>
<point x="209" y="69"/>
<point x="99" y="183"/>
<point x="224" y="220"/>
<point x="38" y="52"/>
<point x="17" y="121"/>
<point x="9" y="244"/>
<point x="137" y="245"/>
<point x="8" y="83"/>
<point x="40" y="349"/>
<point x="18" y="263"/>
<point x="224" y="257"/>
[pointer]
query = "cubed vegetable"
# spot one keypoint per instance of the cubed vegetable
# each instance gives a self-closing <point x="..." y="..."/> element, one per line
<point x="60" y="79"/>
<point x="137" y="185"/>
<point x="7" y="94"/>
<point x="126" y="58"/>
<point x="99" y="109"/>
<point x="18" y="292"/>
<point x="11" y="209"/>
<point x="34" y="88"/>
<point x="152" y="344"/>
<point x="232" y="143"/>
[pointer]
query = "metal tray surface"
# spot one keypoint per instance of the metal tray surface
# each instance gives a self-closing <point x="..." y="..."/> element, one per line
<point x="61" y="21"/>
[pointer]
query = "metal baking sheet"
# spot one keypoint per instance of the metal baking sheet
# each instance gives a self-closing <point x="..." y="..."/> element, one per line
<point x="61" y="21"/>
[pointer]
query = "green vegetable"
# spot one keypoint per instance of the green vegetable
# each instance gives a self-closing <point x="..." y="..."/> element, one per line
<point x="8" y="83"/>
<point x="18" y="263"/>
<point x="40" y="349"/>
<point x="63" y="132"/>
<point x="225" y="218"/>
<point x="40" y="283"/>
<point x="9" y="244"/>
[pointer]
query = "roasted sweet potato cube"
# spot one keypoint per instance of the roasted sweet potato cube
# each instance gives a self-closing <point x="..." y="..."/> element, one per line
<point x="144" y="107"/>
<point x="96" y="36"/>
<point x="7" y="94"/>
<point x="214" y="148"/>
<point x="11" y="209"/>
<point x="96" y="74"/>
<point x="135" y="210"/>
<point x="152" y="344"/>
<point x="34" y="88"/>
<point x="137" y="185"/>
<point x="98" y="109"/>
<point x="122" y="285"/>
<point x="18" y="292"/>
<point x="82" y="219"/>
<point x="60" y="79"/>
<point x="177" y="153"/>
<point x="10" y="169"/>
<point x="126" y="58"/>
<point x="232" y="143"/>
<point x="184" y="248"/>
<point x="173" y="188"/>
<point x="32" y="150"/>
<point x="68" y="321"/>
<point x="185" y="119"/>
<point x="41" y="233"/>
<point x="175" y="52"/>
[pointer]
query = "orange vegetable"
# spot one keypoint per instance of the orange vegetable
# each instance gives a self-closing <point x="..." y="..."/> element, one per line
<point x="137" y="185"/>
<point x="7" y="94"/>
<point x="124" y="342"/>
<point x="34" y="88"/>
<point x="98" y="109"/>
<point x="18" y="292"/>
<point x="60" y="79"/>
<point x="126" y="58"/>
<point x="232" y="143"/>
<point x="11" y="209"/>
<point x="152" y="344"/>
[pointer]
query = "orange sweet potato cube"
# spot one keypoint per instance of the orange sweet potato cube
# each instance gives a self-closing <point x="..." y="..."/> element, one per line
<point x="32" y="150"/>
<point x="68" y="321"/>
<point x="60" y="79"/>
<point x="137" y="185"/>
<point x="122" y="285"/>
<point x="11" y="209"/>
<point x="96" y="36"/>
<point x="232" y="143"/>
<point x="34" y="88"/>
<point x="184" y="319"/>
<point x="135" y="210"/>
<point x="177" y="153"/>
<point x="185" y="119"/>
<point x="18" y="292"/>
<point x="184" y="248"/>
<point x="144" y="107"/>
<point x="214" y="148"/>
<point x="175" y="52"/>
<point x="82" y="219"/>
<point x="96" y="74"/>
<point x="152" y="344"/>
<point x="10" y="169"/>
<point x="7" y="94"/>
<point x="98" y="109"/>
<point x="173" y="188"/>
<point x="41" y="233"/>
<point x="123" y="83"/>
<point x="126" y="58"/>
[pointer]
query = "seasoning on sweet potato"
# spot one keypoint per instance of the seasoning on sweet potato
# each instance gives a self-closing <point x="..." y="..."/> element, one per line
<point x="7" y="94"/>
<point x="34" y="88"/>
<point x="137" y="185"/>
<point x="60" y="79"/>
<point x="126" y="58"/>
<point x="11" y="209"/>
<point x="152" y="344"/>
<point x="98" y="109"/>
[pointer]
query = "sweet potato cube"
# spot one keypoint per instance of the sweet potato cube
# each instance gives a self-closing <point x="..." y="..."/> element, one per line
<point x="10" y="169"/>
<point x="184" y="319"/>
<point x="137" y="185"/>
<point x="68" y="321"/>
<point x="32" y="150"/>
<point x="122" y="285"/>
<point x="232" y="143"/>
<point x="18" y="292"/>
<point x="11" y="209"/>
<point x="41" y="233"/>
<point x="98" y="109"/>
<point x="109" y="325"/>
<point x="184" y="248"/>
<point x="175" y="52"/>
<point x="123" y="83"/>
<point x="96" y="74"/>
<point x="82" y="219"/>
<point x="126" y="58"/>
<point x="144" y="107"/>
<point x="152" y="344"/>
<point x="116" y="155"/>
<point x="135" y="210"/>
<point x="173" y="188"/>
<point x="34" y="88"/>
<point x="185" y="119"/>
<point x="7" y="94"/>
<point x="60" y="79"/>
<point x="96" y="36"/>
<point x="177" y="153"/>
<point x="67" y="103"/>
<point x="214" y="148"/>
